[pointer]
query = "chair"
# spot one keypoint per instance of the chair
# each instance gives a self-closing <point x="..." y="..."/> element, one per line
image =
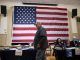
<point x="48" y="51"/>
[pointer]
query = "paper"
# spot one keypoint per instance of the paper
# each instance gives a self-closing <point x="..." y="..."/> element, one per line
<point x="71" y="48"/>
<point x="77" y="51"/>
<point x="18" y="52"/>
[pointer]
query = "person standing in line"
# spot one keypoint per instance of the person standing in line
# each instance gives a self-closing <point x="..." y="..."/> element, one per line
<point x="40" y="42"/>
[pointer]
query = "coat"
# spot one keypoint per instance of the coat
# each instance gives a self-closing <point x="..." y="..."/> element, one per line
<point x="40" y="40"/>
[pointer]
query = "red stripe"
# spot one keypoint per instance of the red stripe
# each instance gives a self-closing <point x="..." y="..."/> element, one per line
<point x="48" y="18"/>
<point x="63" y="24"/>
<point x="23" y="41"/>
<point x="24" y="34"/>
<point x="51" y="13"/>
<point x="57" y="35"/>
<point x="48" y="29"/>
<point x="57" y="29"/>
<point x="52" y="8"/>
<point x="19" y="28"/>
<point x="55" y="40"/>
<point x="49" y="35"/>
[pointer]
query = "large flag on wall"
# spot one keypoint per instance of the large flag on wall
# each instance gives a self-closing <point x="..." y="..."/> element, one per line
<point x="54" y="19"/>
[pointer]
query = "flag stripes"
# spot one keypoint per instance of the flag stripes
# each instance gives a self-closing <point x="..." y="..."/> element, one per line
<point x="53" y="19"/>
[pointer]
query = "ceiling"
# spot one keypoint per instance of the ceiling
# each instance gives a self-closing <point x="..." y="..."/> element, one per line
<point x="72" y="2"/>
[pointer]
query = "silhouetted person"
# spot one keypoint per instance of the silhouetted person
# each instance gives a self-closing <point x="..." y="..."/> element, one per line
<point x="40" y="42"/>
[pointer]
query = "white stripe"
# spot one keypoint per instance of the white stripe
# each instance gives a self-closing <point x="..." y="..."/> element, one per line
<point x="24" y="31"/>
<point x="51" y="10"/>
<point x="45" y="26"/>
<point x="23" y="42"/>
<point x="34" y="31"/>
<point x="52" y="21"/>
<point x="54" y="38"/>
<point x="57" y="32"/>
<point x="23" y="25"/>
<point x="23" y="37"/>
<point x="51" y="6"/>
<point x="52" y="16"/>
<point x="32" y="37"/>
<point x="54" y="26"/>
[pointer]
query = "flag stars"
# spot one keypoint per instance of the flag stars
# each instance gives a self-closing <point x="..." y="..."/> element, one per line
<point x="16" y="22"/>
<point x="17" y="14"/>
<point x="22" y="9"/>
<point x="30" y="18"/>
<point x="22" y="13"/>
<point x="17" y="10"/>
<point x="20" y="18"/>
<point x="16" y="18"/>
<point x="27" y="11"/>
<point x="25" y="15"/>
<point x="30" y="22"/>
<point x="33" y="22"/>
<point x="20" y="21"/>
<point x="24" y="20"/>
<point x="17" y="7"/>
<point x="32" y="13"/>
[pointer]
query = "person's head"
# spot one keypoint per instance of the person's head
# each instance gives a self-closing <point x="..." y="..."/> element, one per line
<point x="58" y="40"/>
<point x="38" y="25"/>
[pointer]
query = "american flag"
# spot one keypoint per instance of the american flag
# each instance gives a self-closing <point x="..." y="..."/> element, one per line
<point x="53" y="18"/>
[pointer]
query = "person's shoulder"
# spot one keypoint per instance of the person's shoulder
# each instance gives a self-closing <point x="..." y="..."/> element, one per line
<point x="42" y="28"/>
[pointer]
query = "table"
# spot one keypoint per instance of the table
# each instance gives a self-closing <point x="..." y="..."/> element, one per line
<point x="64" y="54"/>
<point x="28" y="54"/>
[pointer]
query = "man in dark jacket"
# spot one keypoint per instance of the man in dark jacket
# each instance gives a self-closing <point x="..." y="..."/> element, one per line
<point x="40" y="42"/>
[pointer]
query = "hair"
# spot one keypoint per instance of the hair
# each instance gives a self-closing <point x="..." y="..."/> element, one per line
<point x="37" y="23"/>
<point x="57" y="41"/>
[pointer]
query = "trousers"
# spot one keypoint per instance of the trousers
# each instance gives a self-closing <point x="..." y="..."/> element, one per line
<point x="40" y="54"/>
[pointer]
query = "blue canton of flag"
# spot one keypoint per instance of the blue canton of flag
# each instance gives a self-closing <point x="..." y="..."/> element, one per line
<point x="24" y="15"/>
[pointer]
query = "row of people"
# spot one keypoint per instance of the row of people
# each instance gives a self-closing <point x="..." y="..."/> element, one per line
<point x="60" y="43"/>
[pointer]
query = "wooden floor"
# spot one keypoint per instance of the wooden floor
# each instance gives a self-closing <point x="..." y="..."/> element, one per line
<point x="50" y="58"/>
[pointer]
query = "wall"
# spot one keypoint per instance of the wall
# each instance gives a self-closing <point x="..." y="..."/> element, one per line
<point x="6" y="32"/>
<point x="78" y="26"/>
<point x="72" y="21"/>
